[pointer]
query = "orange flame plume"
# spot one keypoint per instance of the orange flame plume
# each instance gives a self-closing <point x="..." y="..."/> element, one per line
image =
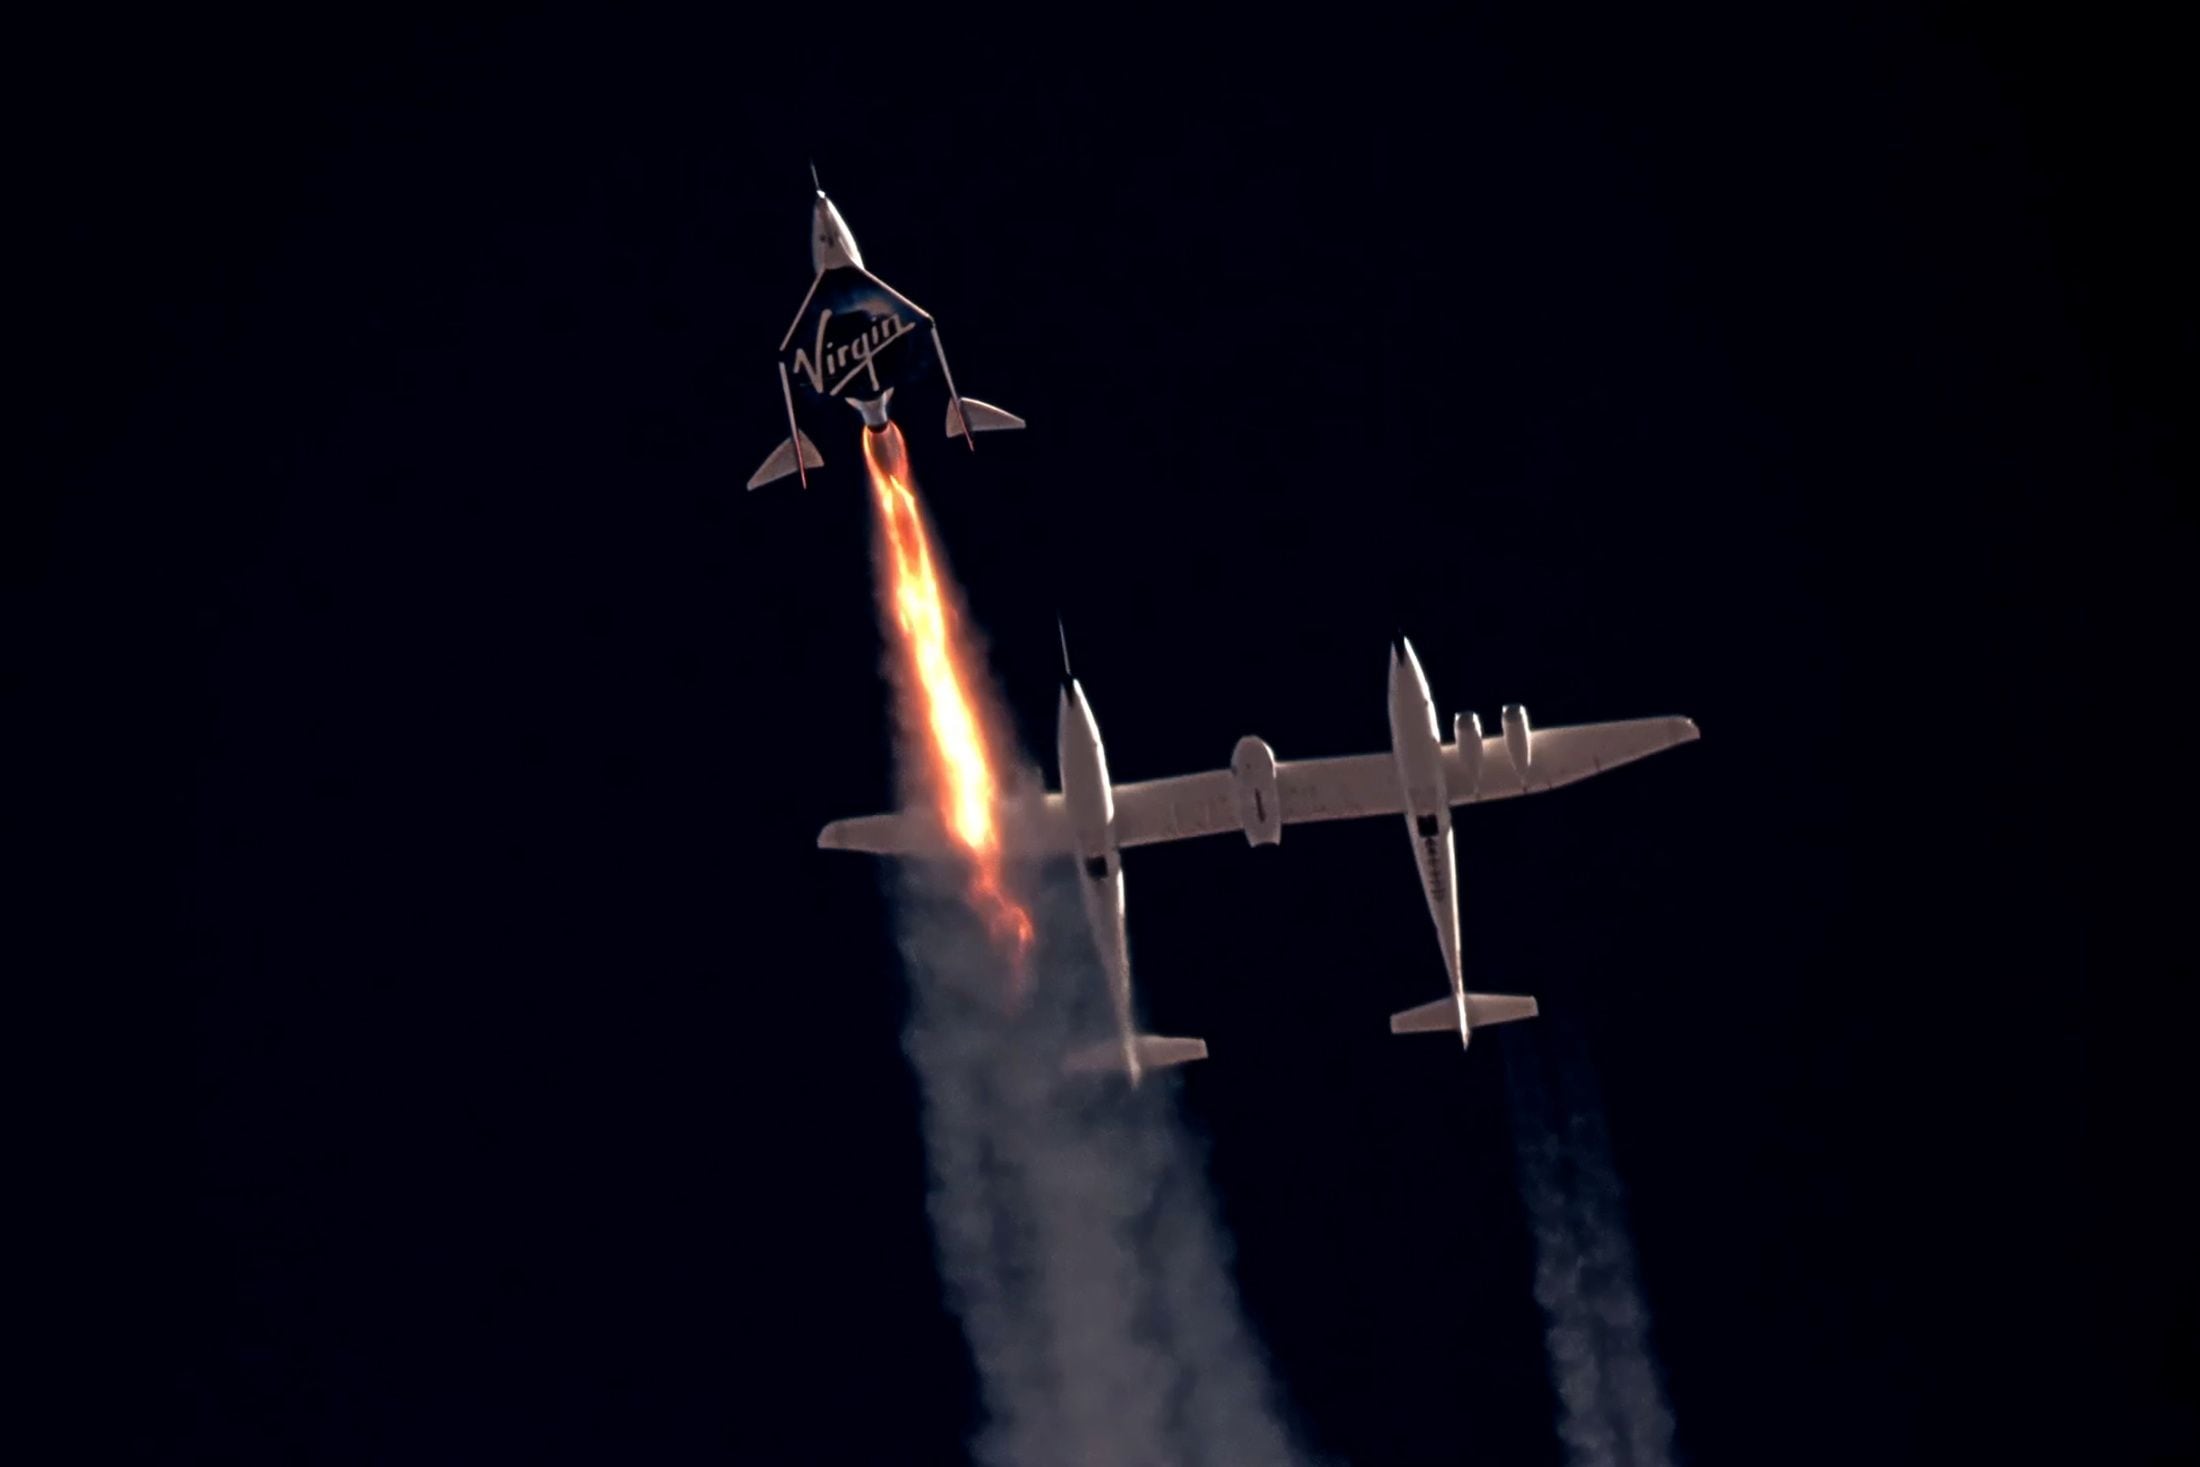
<point x="961" y="767"/>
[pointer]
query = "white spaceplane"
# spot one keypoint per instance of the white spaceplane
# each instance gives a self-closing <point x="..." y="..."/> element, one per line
<point x="857" y="339"/>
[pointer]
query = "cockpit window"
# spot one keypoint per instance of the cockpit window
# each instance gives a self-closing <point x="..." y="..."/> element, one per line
<point x="1425" y="824"/>
<point x="1097" y="867"/>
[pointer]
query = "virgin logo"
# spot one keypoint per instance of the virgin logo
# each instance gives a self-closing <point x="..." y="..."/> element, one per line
<point x="851" y="358"/>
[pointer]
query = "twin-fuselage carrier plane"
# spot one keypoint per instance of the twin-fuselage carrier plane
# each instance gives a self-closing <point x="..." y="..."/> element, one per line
<point x="1421" y="778"/>
<point x="856" y="340"/>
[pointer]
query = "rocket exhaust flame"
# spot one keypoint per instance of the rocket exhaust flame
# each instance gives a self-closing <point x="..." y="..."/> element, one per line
<point x="960" y="766"/>
<point x="1076" y="1245"/>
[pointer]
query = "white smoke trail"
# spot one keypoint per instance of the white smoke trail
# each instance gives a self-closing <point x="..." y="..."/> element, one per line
<point x="1612" y="1408"/>
<point x="1077" y="1240"/>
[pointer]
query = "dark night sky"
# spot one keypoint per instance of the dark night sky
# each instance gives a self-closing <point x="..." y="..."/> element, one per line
<point x="445" y="1044"/>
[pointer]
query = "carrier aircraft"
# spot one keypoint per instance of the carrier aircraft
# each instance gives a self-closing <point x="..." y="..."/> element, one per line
<point x="1420" y="777"/>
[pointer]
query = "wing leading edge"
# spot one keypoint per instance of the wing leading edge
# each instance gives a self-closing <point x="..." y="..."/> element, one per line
<point x="1558" y="756"/>
<point x="1354" y="786"/>
<point x="1188" y="806"/>
<point x="1027" y="831"/>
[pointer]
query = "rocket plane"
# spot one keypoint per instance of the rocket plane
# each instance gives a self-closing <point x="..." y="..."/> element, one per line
<point x="858" y="340"/>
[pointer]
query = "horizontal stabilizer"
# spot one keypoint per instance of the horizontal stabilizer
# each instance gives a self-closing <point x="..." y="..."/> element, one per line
<point x="1443" y="1016"/>
<point x="983" y="416"/>
<point x="1440" y="1017"/>
<point x="782" y="461"/>
<point x="1498" y="1008"/>
<point x="1154" y="1052"/>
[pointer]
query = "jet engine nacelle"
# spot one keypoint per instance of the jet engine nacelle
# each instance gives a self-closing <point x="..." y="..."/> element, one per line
<point x="1466" y="737"/>
<point x="1518" y="741"/>
<point x="1260" y="810"/>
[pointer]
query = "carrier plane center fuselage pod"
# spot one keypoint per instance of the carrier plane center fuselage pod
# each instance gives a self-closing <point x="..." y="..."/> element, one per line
<point x="1090" y="800"/>
<point x="1419" y="750"/>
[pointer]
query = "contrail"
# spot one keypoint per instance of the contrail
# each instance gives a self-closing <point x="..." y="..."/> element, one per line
<point x="1077" y="1240"/>
<point x="1611" y="1403"/>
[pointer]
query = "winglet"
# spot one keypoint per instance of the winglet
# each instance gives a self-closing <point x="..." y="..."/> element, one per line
<point x="1063" y="633"/>
<point x="813" y="177"/>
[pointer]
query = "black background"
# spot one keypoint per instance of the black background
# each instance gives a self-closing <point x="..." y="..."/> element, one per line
<point x="441" y="1039"/>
